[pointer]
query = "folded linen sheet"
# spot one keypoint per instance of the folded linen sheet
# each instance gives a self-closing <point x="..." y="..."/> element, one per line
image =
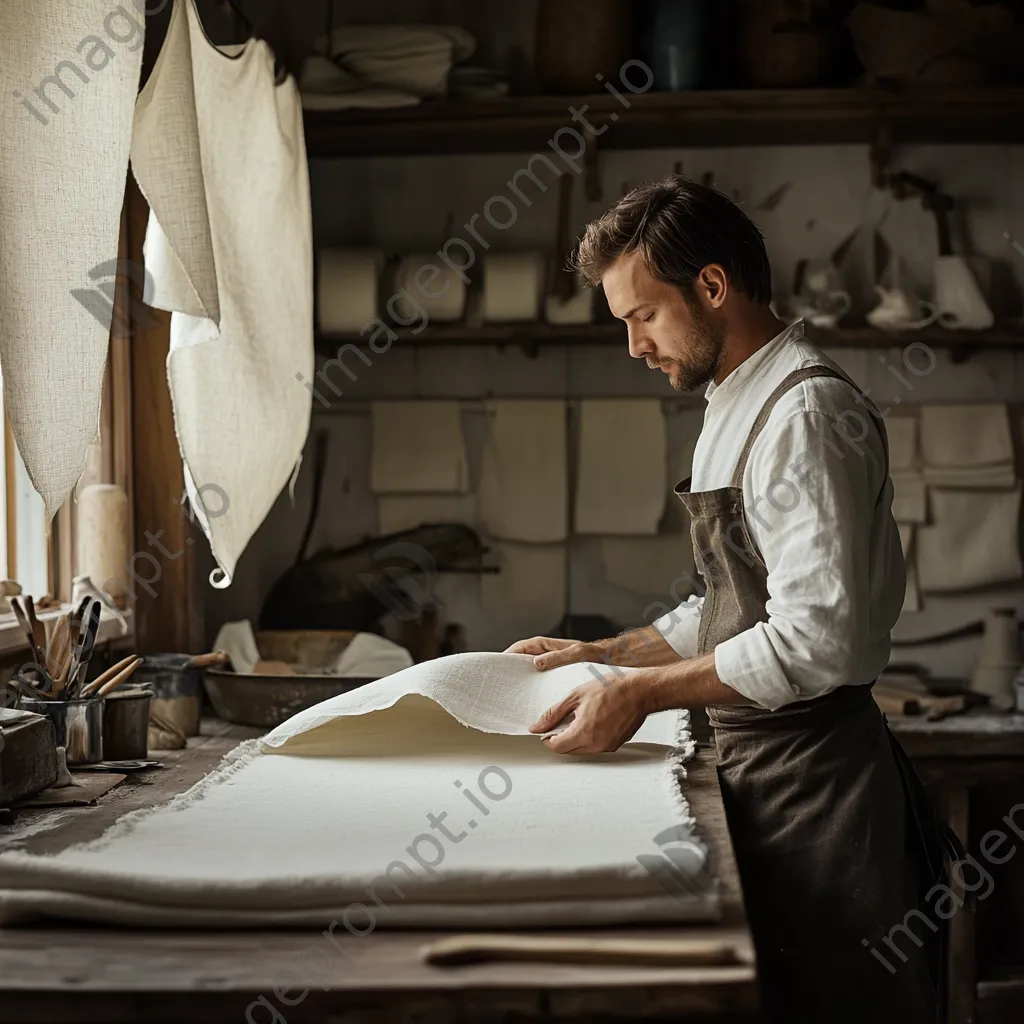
<point x="974" y="542"/>
<point x="419" y="800"/>
<point x="902" y="434"/>
<point x="523" y="490"/>
<point x="418" y="448"/>
<point x="967" y="446"/>
<point x="910" y="498"/>
<point x="622" y="484"/>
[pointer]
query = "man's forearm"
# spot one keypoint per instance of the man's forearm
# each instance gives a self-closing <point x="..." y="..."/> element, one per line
<point x="688" y="683"/>
<point x="640" y="648"/>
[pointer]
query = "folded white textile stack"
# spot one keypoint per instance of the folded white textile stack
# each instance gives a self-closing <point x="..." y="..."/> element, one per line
<point x="361" y="788"/>
<point x="382" y="65"/>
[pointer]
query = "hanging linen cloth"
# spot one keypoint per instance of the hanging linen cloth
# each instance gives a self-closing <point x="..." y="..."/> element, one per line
<point x="219" y="153"/>
<point x="70" y="75"/>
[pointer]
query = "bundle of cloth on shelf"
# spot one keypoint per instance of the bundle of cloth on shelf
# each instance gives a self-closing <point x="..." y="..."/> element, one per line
<point x="382" y="65"/>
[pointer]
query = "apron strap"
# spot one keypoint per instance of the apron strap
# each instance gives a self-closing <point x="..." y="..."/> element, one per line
<point x="790" y="382"/>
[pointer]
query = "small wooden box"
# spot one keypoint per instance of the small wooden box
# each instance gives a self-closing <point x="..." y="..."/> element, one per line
<point x="28" y="759"/>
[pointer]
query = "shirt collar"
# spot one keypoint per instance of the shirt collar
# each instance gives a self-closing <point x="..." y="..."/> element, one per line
<point x="739" y="377"/>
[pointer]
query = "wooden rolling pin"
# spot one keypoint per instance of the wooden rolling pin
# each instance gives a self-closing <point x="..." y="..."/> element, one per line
<point x="473" y="949"/>
<point x="215" y="659"/>
<point x="111" y="673"/>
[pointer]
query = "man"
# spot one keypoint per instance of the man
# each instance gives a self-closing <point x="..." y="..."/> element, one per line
<point x="790" y="504"/>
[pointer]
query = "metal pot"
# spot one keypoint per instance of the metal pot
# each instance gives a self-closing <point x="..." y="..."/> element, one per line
<point x="126" y="725"/>
<point x="177" y="689"/>
<point x="78" y="725"/>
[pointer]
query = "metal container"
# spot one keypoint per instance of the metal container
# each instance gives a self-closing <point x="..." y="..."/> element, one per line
<point x="126" y="725"/>
<point x="177" y="689"/>
<point x="78" y="725"/>
<point x="269" y="700"/>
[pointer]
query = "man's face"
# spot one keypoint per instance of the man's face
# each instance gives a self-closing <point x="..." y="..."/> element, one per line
<point x="677" y="336"/>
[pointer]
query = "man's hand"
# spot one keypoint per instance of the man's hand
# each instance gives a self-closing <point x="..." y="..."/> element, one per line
<point x="638" y="648"/>
<point x="604" y="717"/>
<point x="539" y="645"/>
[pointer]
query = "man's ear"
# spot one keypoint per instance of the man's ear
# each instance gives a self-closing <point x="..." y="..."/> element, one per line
<point x="715" y="283"/>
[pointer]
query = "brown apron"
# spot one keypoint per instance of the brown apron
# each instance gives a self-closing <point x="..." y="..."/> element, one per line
<point x="822" y="814"/>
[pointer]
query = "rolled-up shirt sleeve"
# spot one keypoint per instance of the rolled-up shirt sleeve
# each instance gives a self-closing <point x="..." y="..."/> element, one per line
<point x="679" y="627"/>
<point x="811" y="518"/>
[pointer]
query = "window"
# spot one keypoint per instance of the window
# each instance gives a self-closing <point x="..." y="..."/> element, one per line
<point x="26" y="548"/>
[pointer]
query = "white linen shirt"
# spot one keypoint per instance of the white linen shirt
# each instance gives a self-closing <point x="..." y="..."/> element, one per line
<point x="821" y="516"/>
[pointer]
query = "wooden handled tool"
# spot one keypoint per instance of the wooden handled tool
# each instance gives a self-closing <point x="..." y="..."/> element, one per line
<point x="471" y="949"/>
<point x="122" y="677"/>
<point x="104" y="677"/>
<point x="215" y="659"/>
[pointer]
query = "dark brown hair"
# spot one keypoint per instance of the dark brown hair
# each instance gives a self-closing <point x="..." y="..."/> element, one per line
<point x="679" y="227"/>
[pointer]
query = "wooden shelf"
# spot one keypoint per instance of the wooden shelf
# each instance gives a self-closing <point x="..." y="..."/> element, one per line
<point x="1002" y="998"/>
<point x="735" y="117"/>
<point x="534" y="336"/>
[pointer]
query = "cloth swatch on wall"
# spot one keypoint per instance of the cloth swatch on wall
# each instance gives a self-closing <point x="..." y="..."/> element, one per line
<point x="910" y="498"/>
<point x="683" y="429"/>
<point x="524" y="472"/>
<point x="530" y="588"/>
<point x="622" y="485"/>
<point x="650" y="565"/>
<point x="967" y="446"/>
<point x="974" y="540"/>
<point x="418" y="448"/>
<point x="902" y="433"/>
<point x="72" y="76"/>
<point x="396" y="512"/>
<point x="351" y="782"/>
<point x="912" y="595"/>
<point x="229" y="246"/>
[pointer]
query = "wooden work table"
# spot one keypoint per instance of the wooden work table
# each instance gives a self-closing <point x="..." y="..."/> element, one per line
<point x="974" y="764"/>
<point x="75" y="974"/>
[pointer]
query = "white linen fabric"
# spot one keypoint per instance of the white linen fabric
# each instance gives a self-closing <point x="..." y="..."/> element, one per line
<point x="229" y="246"/>
<point x="388" y="811"/>
<point x="819" y="510"/>
<point x="524" y="471"/>
<point x="974" y="540"/>
<point x="418" y="447"/>
<point x="70" y="75"/>
<point x="370" y="656"/>
<point x="622" y="484"/>
<point x="967" y="446"/>
<point x="238" y="641"/>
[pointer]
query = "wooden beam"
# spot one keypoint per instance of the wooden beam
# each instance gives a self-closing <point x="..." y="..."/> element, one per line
<point x="163" y="564"/>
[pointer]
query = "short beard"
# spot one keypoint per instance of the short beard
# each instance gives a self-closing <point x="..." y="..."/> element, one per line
<point x="703" y="356"/>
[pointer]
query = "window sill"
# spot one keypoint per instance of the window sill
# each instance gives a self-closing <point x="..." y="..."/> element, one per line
<point x="12" y="639"/>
